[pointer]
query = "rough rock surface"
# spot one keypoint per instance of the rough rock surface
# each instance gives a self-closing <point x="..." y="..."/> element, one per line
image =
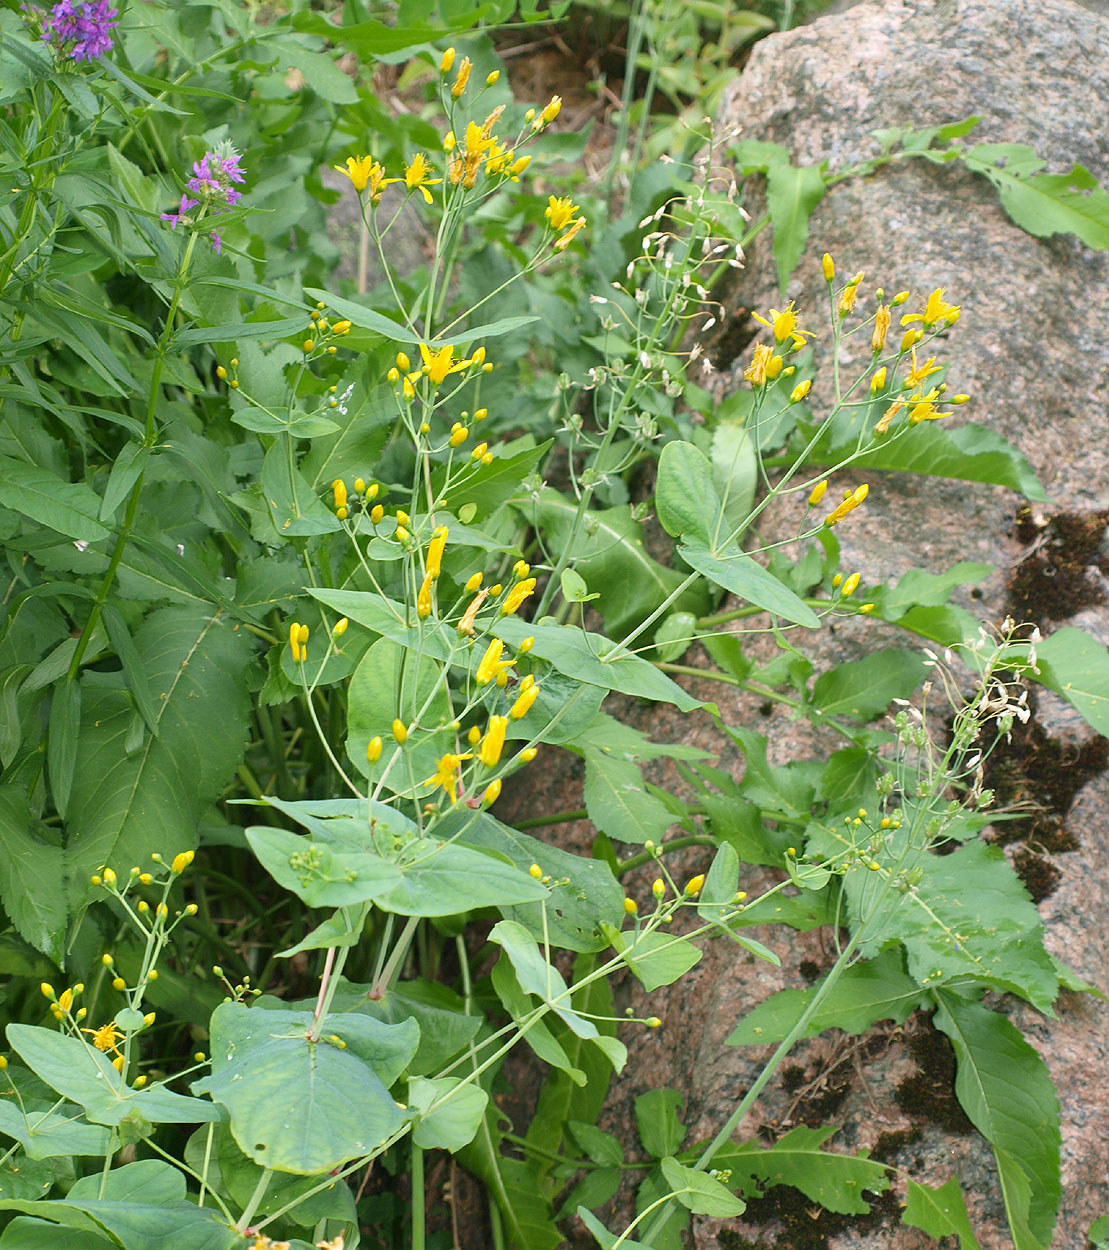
<point x="1031" y="350"/>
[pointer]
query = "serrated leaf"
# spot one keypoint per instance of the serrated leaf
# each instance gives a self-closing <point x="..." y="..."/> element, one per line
<point x="792" y="194"/>
<point x="940" y="1212"/>
<point x="123" y="806"/>
<point x="876" y="990"/>
<point x="1006" y="1090"/>
<point x="836" y="1181"/>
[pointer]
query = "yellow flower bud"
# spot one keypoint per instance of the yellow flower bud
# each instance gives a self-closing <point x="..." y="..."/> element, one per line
<point x="490" y="79"/>
<point x="462" y="77"/>
<point x="493" y="743"/>
<point x="535" y="871"/>
<point x="878" y="381"/>
<point x="143" y="907"/>
<point x="107" y="960"/>
<point x="850" y="586"/>
<point x="479" y="451"/>
<point x="109" y="877"/>
<point x="473" y="582"/>
<point x="309" y="345"/>
<point x="481" y="413"/>
<point x="492" y="792"/>
<point x="221" y="373"/>
<point x="148" y="1019"/>
<point x="403" y="362"/>
<point x="423" y="599"/>
<point x="899" y="298"/>
<point x="653" y="1022"/>
<point x="694" y="884"/>
<point x="376" y="513"/>
<point x="302" y="634"/>
<point x="526" y="645"/>
<point x="140" y="1081"/>
<point x="435" y="551"/>
<point x="829" y="267"/>
<point x="817" y="493"/>
<point x="909" y="338"/>
<point x="527" y="696"/>
<point x="459" y="435"/>
<point x="865" y="609"/>
<point x="393" y="375"/>
<point x="473" y="735"/>
<point x="631" y="907"/>
<point x="959" y="399"/>
<point x="774" y="367"/>
<point x="118" y="983"/>
<point x="529" y="754"/>
<point x="117" y="1063"/>
<point x="182" y="861"/>
<point x="658" y="888"/>
<point x="373" y="750"/>
<point x="340" y="627"/>
<point x="402" y="517"/>
<point x="341" y="327"/>
<point x="800" y="391"/>
<point x="447" y="61"/>
<point x="400" y="731"/>
<point x="359" y="485"/>
<point x="401" y="533"/>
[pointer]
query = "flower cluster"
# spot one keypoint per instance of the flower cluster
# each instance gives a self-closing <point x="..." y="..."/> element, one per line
<point x="83" y="25"/>
<point x="213" y="183"/>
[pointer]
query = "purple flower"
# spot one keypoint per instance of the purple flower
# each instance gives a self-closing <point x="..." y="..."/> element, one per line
<point x="83" y="23"/>
<point x="176" y="218"/>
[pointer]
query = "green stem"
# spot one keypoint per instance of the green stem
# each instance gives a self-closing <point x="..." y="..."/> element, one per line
<point x="255" y="1200"/>
<point x="417" y="1197"/>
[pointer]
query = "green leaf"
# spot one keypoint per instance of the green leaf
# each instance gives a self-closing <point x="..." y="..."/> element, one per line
<point x="700" y="1193"/>
<point x="326" y="871"/>
<point x="570" y="916"/>
<point x="618" y="802"/>
<point x="452" y="880"/>
<point x="453" y="1124"/>
<point x="61" y="740"/>
<point x="741" y="575"/>
<point x="1007" y="1092"/>
<point x="1044" y="204"/>
<point x="605" y="1239"/>
<point x="386" y="617"/>
<point x="791" y="196"/>
<point x="126" y="805"/>
<point x="320" y="72"/>
<point x="294" y="507"/>
<point x="445" y="1029"/>
<point x="51" y="1133"/>
<point x="31" y="871"/>
<point x="599" y="1146"/>
<point x="86" y="1077"/>
<point x="302" y="1106"/>
<point x="488" y="486"/>
<point x="539" y="1036"/>
<point x="390" y="683"/>
<point x="970" y="453"/>
<point x="863" y="689"/>
<point x="836" y="1181"/>
<point x="735" y="474"/>
<point x="656" y="959"/>
<point x="865" y="993"/>
<point x="940" y="1212"/>
<point x="579" y="654"/>
<point x="25" y="1233"/>
<point x="129" y="466"/>
<point x="367" y="319"/>
<point x="1077" y="666"/>
<point x="656" y="1119"/>
<point x="25" y="1179"/>
<point x="685" y="494"/>
<point x="969" y="916"/>
<point x="69" y="508"/>
<point x="536" y="976"/>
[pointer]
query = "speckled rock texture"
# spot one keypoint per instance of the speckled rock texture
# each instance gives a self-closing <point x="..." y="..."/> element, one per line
<point x="1032" y="351"/>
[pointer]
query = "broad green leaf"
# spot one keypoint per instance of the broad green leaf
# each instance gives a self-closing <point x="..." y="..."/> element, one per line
<point x="836" y="1181"/>
<point x="70" y="508"/>
<point x="391" y="682"/>
<point x="656" y="1119"/>
<point x="863" y="689"/>
<point x="324" y="871"/>
<point x="735" y="474"/>
<point x="61" y="740"/>
<point x="441" y="880"/>
<point x="699" y="1192"/>
<point x="686" y="499"/>
<point x="302" y="1106"/>
<point x="595" y="1188"/>
<point x="1007" y="1092"/>
<point x="579" y="654"/>
<point x="876" y="990"/>
<point x="445" y="1028"/>
<point x="126" y="805"/>
<point x="25" y="1179"/>
<point x="26" y="1233"/>
<point x="605" y="1239"/>
<point x="537" y="976"/>
<point x="610" y="555"/>
<point x="389" y="619"/>
<point x="918" y="588"/>
<point x="538" y="1036"/>
<point x="294" y="507"/>
<point x="1044" y="204"/>
<point x="599" y="1146"/>
<point x="1077" y="666"/>
<point x="395" y="332"/>
<point x="320" y="72"/>
<point x="850" y="776"/>
<point x="721" y="883"/>
<point x="970" y="453"/>
<point x="52" y="1133"/>
<point x="969" y="916"/>
<point x="86" y="1077"/>
<point x="656" y="959"/>
<point x="940" y="1212"/>
<point x="453" y="1124"/>
<point x="738" y="573"/>
<point x="491" y="485"/>
<point x="618" y="802"/>
<point x="129" y="466"/>
<point x="571" y="914"/>
<point x="791" y="195"/>
<point x="31" y="872"/>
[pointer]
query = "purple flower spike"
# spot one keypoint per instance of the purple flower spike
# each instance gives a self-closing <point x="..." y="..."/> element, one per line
<point x="86" y="24"/>
<point x="176" y="218"/>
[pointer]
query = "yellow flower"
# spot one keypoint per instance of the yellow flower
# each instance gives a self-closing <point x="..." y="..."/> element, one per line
<point x="416" y="176"/>
<point x="800" y="391"/>
<point x="527" y="695"/>
<point x="878" y="381"/>
<point x="918" y="373"/>
<point x="784" y="325"/>
<point x="462" y="77"/>
<point x="850" y="586"/>
<point x="440" y="362"/>
<point x="881" y="328"/>
<point x="549" y="112"/>
<point x="359" y="170"/>
<point x="466" y="623"/>
<point x="829" y="267"/>
<point x="517" y="595"/>
<point x="493" y="743"/>
<point x="560" y="245"/>
<point x="922" y="408"/>
<point x="423" y="599"/>
<point x="850" y="294"/>
<point x="817" y="493"/>
<point x="560" y="212"/>
<point x="435" y="550"/>
<point x="373" y="750"/>
<point x="849" y="505"/>
<point x="105" y="1038"/>
<point x="491" y="664"/>
<point x="446" y="773"/>
<point x="694" y="884"/>
<point x="492" y="792"/>
<point x="936" y="308"/>
<point x="755" y="373"/>
<point x="447" y="62"/>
